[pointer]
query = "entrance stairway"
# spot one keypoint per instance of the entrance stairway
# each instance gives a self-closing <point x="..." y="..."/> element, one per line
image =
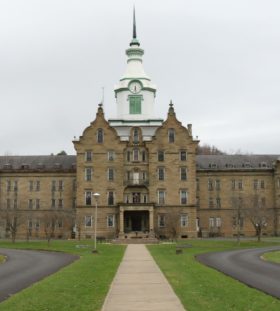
<point x="136" y="238"/>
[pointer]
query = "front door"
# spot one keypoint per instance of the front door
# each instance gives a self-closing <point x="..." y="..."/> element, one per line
<point x="136" y="222"/>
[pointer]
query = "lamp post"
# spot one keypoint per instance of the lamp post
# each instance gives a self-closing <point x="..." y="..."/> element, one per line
<point x="96" y="196"/>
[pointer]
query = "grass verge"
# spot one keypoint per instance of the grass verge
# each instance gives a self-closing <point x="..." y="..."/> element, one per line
<point x="272" y="256"/>
<point x="81" y="286"/>
<point x="202" y="288"/>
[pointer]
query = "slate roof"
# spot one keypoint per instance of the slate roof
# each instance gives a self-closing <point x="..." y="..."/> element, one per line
<point x="40" y="163"/>
<point x="233" y="162"/>
<point x="203" y="162"/>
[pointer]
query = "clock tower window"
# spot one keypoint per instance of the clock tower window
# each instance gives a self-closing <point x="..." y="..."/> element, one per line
<point x="135" y="104"/>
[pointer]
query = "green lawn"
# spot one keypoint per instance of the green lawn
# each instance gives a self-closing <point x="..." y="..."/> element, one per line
<point x="80" y="286"/>
<point x="203" y="288"/>
<point x="273" y="256"/>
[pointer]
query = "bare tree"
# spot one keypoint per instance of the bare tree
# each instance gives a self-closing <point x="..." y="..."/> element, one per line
<point x="13" y="219"/>
<point x="258" y="214"/>
<point x="52" y="220"/>
<point x="173" y="224"/>
<point x="238" y="215"/>
<point x="79" y="223"/>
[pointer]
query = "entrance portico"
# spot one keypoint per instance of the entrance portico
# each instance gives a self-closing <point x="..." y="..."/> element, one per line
<point x="138" y="219"/>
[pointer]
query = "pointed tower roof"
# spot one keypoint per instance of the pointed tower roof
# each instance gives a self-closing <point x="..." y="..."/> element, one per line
<point x="134" y="40"/>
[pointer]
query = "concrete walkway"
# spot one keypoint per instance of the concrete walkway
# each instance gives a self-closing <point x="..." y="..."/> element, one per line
<point x="139" y="285"/>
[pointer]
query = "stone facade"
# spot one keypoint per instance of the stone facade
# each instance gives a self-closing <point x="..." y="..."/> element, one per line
<point x="140" y="175"/>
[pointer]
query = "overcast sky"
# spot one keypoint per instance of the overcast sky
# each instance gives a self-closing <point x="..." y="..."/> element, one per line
<point x="218" y="60"/>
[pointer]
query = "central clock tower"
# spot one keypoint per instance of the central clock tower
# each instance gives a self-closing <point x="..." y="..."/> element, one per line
<point x="135" y="93"/>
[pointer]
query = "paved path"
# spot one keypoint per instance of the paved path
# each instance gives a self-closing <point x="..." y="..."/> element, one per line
<point x="139" y="285"/>
<point x="247" y="266"/>
<point x="24" y="267"/>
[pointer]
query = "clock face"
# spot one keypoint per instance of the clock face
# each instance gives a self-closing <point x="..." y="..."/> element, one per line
<point x="135" y="87"/>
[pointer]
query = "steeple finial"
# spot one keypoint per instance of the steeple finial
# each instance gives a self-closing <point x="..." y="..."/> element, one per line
<point x="134" y="40"/>
<point x="134" y="36"/>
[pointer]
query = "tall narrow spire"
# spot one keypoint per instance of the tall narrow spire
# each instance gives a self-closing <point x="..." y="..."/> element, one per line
<point x="134" y="40"/>
<point x="134" y="24"/>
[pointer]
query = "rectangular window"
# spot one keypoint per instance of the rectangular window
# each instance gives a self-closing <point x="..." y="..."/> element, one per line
<point x="256" y="184"/>
<point x="29" y="224"/>
<point x="15" y="203"/>
<point x="135" y="104"/>
<point x="262" y="184"/>
<point x="59" y="223"/>
<point x="30" y="204"/>
<point x="53" y="203"/>
<point x="143" y="155"/>
<point x="161" y="196"/>
<point x="211" y="203"/>
<point x="184" y="220"/>
<point x="15" y="186"/>
<point x="218" y="222"/>
<point x="53" y="185"/>
<point x="88" y="197"/>
<point x="171" y="135"/>
<point x="30" y="185"/>
<point x="160" y="155"/>
<point x="197" y="184"/>
<point x="111" y="221"/>
<point x="183" y="197"/>
<point x="88" y="173"/>
<point x="37" y="203"/>
<point x="128" y="156"/>
<point x="111" y="155"/>
<point x="135" y="155"/>
<point x="37" y="224"/>
<point x="160" y="173"/>
<point x="211" y="222"/>
<point x="88" y="156"/>
<point x="183" y="173"/>
<point x="218" y="184"/>
<point x="37" y="185"/>
<point x="183" y="155"/>
<point x="74" y="184"/>
<point x="88" y="221"/>
<point x="210" y="184"/>
<point x="233" y="183"/>
<point x="8" y="203"/>
<point x="240" y="184"/>
<point x="218" y="202"/>
<point x="60" y="203"/>
<point x="110" y="198"/>
<point x="161" y="221"/>
<point x="9" y="185"/>
<point x="110" y="174"/>
<point x="60" y="185"/>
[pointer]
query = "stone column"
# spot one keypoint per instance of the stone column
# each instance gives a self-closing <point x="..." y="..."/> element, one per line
<point x="151" y="222"/>
<point x="121" y="233"/>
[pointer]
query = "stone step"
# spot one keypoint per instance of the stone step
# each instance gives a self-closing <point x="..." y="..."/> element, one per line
<point x="136" y="241"/>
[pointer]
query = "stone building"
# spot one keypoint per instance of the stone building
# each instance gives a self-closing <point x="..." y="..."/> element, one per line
<point x="151" y="182"/>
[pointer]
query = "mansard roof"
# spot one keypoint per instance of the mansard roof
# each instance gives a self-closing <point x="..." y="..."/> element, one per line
<point x="233" y="162"/>
<point x="40" y="163"/>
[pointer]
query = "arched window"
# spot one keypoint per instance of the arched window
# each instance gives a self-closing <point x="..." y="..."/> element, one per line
<point x="135" y="135"/>
<point x="100" y="135"/>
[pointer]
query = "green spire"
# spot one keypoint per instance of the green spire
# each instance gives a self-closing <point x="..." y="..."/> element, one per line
<point x="134" y="40"/>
